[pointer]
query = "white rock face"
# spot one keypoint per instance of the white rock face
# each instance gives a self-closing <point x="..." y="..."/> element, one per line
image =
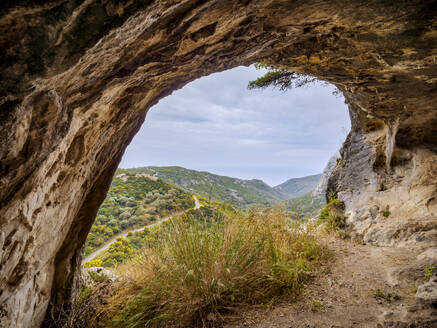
<point x="320" y="190"/>
<point x="428" y="292"/>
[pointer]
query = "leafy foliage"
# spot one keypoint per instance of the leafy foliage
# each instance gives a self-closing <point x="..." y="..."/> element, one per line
<point x="280" y="78"/>
<point x="93" y="263"/>
<point x="283" y="79"/>
<point x="332" y="214"/>
<point x="134" y="200"/>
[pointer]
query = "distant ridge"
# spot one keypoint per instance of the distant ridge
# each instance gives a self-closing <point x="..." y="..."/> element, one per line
<point x="297" y="187"/>
<point x="220" y="188"/>
<point x="238" y="192"/>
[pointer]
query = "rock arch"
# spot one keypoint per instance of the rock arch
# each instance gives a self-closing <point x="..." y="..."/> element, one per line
<point x="77" y="79"/>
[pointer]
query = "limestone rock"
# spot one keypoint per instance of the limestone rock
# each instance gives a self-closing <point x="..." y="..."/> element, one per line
<point x="103" y="273"/>
<point x="320" y="190"/>
<point x="428" y="291"/>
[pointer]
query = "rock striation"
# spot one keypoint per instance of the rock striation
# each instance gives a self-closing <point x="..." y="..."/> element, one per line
<point x="320" y="190"/>
<point x="77" y="78"/>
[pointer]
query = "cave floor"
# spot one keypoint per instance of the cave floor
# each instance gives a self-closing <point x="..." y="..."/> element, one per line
<point x="345" y="293"/>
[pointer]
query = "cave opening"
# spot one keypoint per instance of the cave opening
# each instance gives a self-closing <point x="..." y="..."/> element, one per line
<point x="217" y="139"/>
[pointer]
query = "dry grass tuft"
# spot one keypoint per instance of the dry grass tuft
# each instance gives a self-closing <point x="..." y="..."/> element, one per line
<point x="198" y="270"/>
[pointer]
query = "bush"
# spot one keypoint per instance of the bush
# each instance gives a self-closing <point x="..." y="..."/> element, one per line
<point x="340" y="162"/>
<point x="98" y="277"/>
<point x="201" y="267"/>
<point x="93" y="263"/>
<point x="332" y="214"/>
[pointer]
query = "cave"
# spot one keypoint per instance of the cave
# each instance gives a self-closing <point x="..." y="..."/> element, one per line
<point x="78" y="77"/>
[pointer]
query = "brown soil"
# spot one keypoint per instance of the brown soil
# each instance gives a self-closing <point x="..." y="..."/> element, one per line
<point x="343" y="295"/>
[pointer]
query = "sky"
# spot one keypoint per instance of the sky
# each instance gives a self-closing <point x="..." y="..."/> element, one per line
<point x="216" y="124"/>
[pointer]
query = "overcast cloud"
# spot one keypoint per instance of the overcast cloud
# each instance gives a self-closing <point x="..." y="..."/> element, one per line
<point x="215" y="124"/>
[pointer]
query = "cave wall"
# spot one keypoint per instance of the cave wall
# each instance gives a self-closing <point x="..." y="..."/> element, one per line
<point x="78" y="77"/>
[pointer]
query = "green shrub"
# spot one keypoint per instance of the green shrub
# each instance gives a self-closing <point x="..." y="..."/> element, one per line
<point x="93" y="263"/>
<point x="385" y="213"/>
<point x="98" y="277"/>
<point x="389" y="297"/>
<point x="340" y="162"/>
<point x="199" y="267"/>
<point x="429" y="271"/>
<point x="332" y="214"/>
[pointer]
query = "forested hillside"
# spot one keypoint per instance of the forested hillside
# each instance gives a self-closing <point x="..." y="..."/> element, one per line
<point x="297" y="187"/>
<point x="126" y="248"/>
<point x="238" y="192"/>
<point x="134" y="200"/>
<point x="304" y="207"/>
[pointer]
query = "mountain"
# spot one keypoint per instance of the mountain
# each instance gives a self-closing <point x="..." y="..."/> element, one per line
<point x="235" y="191"/>
<point x="307" y="205"/>
<point x="297" y="187"/>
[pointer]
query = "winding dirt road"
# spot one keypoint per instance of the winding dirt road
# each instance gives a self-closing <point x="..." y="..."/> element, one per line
<point x="124" y="234"/>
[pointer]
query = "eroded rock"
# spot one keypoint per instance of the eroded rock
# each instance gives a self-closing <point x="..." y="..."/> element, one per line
<point x="428" y="291"/>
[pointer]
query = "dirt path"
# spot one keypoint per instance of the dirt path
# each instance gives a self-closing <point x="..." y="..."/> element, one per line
<point x="124" y="234"/>
<point x="344" y="296"/>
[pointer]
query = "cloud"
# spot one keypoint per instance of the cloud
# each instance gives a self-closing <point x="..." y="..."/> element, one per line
<point x="216" y="124"/>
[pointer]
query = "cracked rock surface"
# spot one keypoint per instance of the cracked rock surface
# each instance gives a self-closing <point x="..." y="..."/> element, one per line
<point x="77" y="78"/>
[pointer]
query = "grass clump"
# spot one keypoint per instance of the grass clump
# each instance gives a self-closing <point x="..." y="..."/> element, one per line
<point x="429" y="271"/>
<point x="386" y="213"/>
<point x="388" y="297"/>
<point x="98" y="277"/>
<point x="200" y="269"/>
<point x="317" y="305"/>
<point x="332" y="214"/>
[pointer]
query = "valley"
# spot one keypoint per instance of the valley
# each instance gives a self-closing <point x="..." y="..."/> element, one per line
<point x="238" y="192"/>
<point x="141" y="198"/>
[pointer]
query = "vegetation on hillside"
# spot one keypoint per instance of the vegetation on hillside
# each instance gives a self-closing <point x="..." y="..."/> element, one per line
<point x="240" y="193"/>
<point x="304" y="207"/>
<point x="134" y="200"/>
<point x="297" y="187"/>
<point x="127" y="248"/>
<point x="198" y="268"/>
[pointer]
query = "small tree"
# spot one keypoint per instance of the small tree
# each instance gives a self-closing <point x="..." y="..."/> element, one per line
<point x="282" y="79"/>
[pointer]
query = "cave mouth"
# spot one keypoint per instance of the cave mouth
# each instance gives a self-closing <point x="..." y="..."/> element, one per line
<point x="79" y="78"/>
<point x="214" y="128"/>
